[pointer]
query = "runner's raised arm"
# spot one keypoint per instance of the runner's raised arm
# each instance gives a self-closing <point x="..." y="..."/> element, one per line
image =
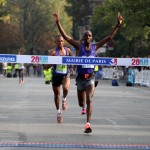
<point x="111" y="35"/>
<point x="73" y="42"/>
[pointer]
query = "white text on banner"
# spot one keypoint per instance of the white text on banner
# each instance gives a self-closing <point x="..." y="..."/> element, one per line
<point x="41" y="59"/>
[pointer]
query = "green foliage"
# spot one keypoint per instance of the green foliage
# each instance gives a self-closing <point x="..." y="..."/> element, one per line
<point x="66" y="20"/>
<point x="78" y="9"/>
<point x="135" y="28"/>
<point x="31" y="22"/>
<point x="10" y="39"/>
<point x="34" y="21"/>
<point x="3" y="9"/>
<point x="2" y="2"/>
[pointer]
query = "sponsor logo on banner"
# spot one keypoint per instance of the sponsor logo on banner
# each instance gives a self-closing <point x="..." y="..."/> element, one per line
<point x="87" y="60"/>
<point x="39" y="59"/>
<point x="7" y="58"/>
<point x="139" y="62"/>
<point x="113" y="61"/>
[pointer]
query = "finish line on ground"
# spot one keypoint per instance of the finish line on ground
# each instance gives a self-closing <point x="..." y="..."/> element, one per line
<point x="75" y="145"/>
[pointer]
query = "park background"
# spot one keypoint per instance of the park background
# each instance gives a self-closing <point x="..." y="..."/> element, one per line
<point x="28" y="25"/>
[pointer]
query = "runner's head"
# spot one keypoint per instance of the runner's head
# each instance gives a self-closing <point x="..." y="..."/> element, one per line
<point x="87" y="37"/>
<point x="59" y="41"/>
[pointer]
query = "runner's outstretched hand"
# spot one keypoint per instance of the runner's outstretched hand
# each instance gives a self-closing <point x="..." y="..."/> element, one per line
<point x="120" y="19"/>
<point x="56" y="16"/>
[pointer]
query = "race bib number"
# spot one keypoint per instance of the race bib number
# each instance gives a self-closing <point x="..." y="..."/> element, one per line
<point x="87" y="66"/>
<point x="61" y="69"/>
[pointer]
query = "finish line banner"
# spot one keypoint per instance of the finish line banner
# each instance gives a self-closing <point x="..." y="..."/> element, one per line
<point x="40" y="59"/>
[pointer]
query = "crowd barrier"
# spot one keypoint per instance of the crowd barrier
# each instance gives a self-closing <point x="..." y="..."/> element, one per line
<point x="142" y="77"/>
<point x="108" y="73"/>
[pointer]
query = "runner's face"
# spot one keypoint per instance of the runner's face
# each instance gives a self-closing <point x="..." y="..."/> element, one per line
<point x="59" y="42"/>
<point x="87" y="37"/>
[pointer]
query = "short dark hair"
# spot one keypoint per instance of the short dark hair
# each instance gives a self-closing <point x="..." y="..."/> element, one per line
<point x="87" y="31"/>
<point x="58" y="36"/>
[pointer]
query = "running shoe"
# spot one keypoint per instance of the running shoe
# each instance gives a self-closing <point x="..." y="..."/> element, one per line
<point x="59" y="117"/>
<point x="64" y="104"/>
<point x="88" y="128"/>
<point x="83" y="111"/>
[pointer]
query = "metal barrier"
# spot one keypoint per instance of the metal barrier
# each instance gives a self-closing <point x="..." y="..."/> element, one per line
<point x="142" y="77"/>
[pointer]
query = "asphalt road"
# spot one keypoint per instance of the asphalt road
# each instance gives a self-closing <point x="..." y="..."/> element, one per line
<point x="120" y="120"/>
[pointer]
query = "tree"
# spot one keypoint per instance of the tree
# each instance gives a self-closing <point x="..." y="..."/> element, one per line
<point x="136" y="29"/>
<point x="78" y="9"/>
<point x="34" y="22"/>
<point x="10" y="38"/>
<point x="3" y="11"/>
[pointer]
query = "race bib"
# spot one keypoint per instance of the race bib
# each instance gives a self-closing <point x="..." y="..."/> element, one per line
<point x="61" y="69"/>
<point x="87" y="66"/>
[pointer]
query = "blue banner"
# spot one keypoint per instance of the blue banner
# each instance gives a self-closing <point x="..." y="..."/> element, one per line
<point x="87" y="60"/>
<point x="8" y="58"/>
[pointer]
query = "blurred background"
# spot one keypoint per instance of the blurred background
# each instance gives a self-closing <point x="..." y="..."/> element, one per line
<point x="28" y="25"/>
